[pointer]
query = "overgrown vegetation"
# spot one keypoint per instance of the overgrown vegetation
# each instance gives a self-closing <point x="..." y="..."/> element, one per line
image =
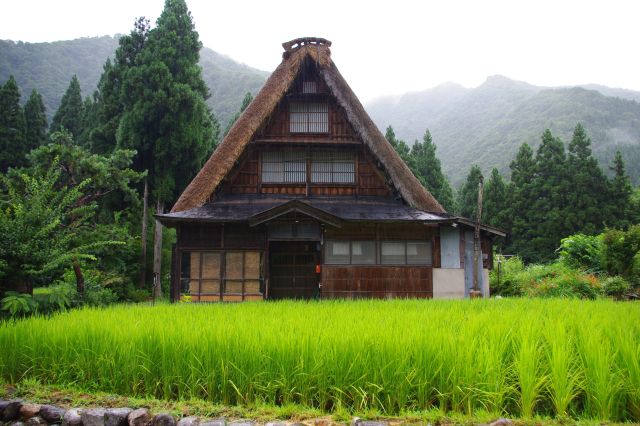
<point x="588" y="267"/>
<point x="516" y="357"/>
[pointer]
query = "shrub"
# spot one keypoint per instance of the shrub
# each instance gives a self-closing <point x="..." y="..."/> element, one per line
<point x="616" y="287"/>
<point x="581" y="251"/>
<point x="621" y="253"/>
<point x="552" y="280"/>
<point x="137" y="295"/>
<point x="557" y="280"/>
<point x="18" y="304"/>
<point x="501" y="277"/>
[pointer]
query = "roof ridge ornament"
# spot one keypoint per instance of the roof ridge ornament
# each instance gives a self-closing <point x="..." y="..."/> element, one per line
<point x="302" y="41"/>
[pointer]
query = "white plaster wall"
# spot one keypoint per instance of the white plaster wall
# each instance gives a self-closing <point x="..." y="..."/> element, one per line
<point x="448" y="283"/>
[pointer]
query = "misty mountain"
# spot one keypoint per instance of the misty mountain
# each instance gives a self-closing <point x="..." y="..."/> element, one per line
<point x="486" y="125"/>
<point x="48" y="68"/>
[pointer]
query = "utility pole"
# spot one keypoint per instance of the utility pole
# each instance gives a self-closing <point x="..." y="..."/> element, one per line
<point x="476" y="291"/>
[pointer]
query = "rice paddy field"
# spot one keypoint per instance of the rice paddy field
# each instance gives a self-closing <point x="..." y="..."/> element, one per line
<point x="520" y="358"/>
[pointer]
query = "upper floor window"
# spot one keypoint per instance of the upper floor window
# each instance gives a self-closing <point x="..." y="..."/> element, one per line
<point x="284" y="166"/>
<point x="333" y="167"/>
<point x="326" y="167"/>
<point x="308" y="117"/>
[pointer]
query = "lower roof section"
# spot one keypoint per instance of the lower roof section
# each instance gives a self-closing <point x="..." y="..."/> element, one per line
<point x="333" y="211"/>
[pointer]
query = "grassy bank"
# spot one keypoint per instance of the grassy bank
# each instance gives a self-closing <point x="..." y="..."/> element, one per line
<point x="520" y="358"/>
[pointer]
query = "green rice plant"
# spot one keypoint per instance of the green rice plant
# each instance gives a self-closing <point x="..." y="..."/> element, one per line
<point x="603" y="384"/>
<point x="528" y="368"/>
<point x="510" y="357"/>
<point x="564" y="379"/>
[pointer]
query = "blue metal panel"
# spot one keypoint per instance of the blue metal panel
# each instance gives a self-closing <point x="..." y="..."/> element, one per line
<point x="449" y="247"/>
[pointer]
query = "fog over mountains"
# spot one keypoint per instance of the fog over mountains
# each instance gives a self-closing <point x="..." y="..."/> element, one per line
<point x="486" y="125"/>
<point x="483" y="125"/>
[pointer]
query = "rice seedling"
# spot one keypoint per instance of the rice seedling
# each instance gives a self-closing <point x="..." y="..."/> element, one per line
<point x="519" y="358"/>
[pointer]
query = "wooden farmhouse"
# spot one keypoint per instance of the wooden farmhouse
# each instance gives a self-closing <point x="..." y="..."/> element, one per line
<point x="304" y="198"/>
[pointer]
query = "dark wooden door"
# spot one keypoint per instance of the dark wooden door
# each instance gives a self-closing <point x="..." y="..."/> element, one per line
<point x="292" y="270"/>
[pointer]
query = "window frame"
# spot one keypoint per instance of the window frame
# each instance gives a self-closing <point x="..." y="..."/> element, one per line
<point x="378" y="252"/>
<point x="305" y="113"/>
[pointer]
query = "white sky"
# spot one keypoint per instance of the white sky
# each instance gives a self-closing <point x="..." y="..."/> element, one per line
<point x="385" y="47"/>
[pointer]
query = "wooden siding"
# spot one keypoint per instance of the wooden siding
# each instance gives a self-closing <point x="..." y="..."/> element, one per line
<point x="383" y="231"/>
<point x="380" y="282"/>
<point x="247" y="179"/>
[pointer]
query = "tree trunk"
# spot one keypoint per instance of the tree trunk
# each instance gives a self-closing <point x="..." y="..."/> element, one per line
<point x="143" y="239"/>
<point x="157" y="253"/>
<point x="79" y="276"/>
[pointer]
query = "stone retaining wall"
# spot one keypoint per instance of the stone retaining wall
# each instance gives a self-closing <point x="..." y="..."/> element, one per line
<point x="21" y="413"/>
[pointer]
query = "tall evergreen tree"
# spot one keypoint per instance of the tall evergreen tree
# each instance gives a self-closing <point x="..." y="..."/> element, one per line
<point x="429" y="171"/>
<point x="519" y="212"/>
<point x="70" y="112"/>
<point x="495" y="203"/>
<point x="165" y="118"/>
<point x="620" y="194"/>
<point x="401" y="148"/>
<point x="13" y="149"/>
<point x="587" y="186"/>
<point x="549" y="198"/>
<point x="467" y="202"/>
<point x="109" y="98"/>
<point x="35" y="121"/>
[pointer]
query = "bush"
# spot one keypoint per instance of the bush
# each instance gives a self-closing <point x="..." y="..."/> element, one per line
<point x="621" y="253"/>
<point x="581" y="251"/>
<point x="501" y="277"/>
<point x="18" y="304"/>
<point x="616" y="287"/>
<point x="556" y="280"/>
<point x="553" y="280"/>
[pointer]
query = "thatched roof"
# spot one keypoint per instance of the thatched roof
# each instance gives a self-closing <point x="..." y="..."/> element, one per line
<point x="296" y="51"/>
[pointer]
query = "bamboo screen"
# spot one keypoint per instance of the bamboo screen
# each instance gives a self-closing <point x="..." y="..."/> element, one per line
<point x="219" y="273"/>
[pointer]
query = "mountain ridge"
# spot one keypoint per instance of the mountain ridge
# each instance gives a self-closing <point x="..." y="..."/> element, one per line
<point x="49" y="66"/>
<point x="485" y="125"/>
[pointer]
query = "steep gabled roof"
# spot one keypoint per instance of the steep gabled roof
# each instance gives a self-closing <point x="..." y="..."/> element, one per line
<point x="231" y="148"/>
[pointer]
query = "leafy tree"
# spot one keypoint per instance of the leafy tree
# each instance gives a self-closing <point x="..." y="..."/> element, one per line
<point x="71" y="111"/>
<point x="494" y="200"/>
<point x="467" y="202"/>
<point x="12" y="144"/>
<point x="429" y="171"/>
<point x="245" y="103"/>
<point x="38" y="227"/>
<point x="620" y="194"/>
<point x="109" y="178"/>
<point x="586" y="186"/>
<point x="35" y="121"/>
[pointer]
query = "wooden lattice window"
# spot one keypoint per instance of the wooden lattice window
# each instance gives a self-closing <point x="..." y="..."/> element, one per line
<point x="284" y="167"/>
<point x="308" y="117"/>
<point x="333" y="167"/>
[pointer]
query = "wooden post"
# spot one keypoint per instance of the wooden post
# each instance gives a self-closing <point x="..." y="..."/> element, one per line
<point x="476" y="292"/>
<point x="157" y="254"/>
<point x="143" y="239"/>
